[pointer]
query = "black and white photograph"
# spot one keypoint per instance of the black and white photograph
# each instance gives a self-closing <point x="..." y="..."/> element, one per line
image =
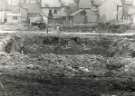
<point x="67" y="47"/>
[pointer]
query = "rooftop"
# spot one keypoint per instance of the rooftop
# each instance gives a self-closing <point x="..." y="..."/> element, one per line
<point x="50" y="3"/>
<point x="84" y="4"/>
<point x="78" y="11"/>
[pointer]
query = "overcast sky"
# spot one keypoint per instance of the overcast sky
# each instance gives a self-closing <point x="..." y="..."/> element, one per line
<point x="134" y="2"/>
<point x="66" y="1"/>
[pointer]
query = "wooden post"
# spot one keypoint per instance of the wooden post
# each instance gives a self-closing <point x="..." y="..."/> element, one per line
<point x="117" y="17"/>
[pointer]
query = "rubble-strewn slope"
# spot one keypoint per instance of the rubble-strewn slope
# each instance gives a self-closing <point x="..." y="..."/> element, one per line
<point x="48" y="66"/>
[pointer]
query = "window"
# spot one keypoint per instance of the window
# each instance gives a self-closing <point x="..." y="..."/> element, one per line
<point x="55" y="11"/>
<point x="50" y="14"/>
<point x="15" y="17"/>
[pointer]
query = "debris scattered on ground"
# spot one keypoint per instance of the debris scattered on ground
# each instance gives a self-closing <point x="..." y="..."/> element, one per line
<point x="33" y="70"/>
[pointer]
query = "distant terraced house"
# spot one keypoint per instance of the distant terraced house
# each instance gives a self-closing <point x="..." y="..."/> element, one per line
<point x="3" y="10"/>
<point x="90" y="11"/>
<point x="84" y="14"/>
<point x="55" y="10"/>
<point x="116" y="10"/>
<point x="9" y="11"/>
<point x="29" y="8"/>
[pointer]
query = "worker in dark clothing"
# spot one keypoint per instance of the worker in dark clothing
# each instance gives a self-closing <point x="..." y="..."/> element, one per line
<point x="47" y="29"/>
<point x="58" y="33"/>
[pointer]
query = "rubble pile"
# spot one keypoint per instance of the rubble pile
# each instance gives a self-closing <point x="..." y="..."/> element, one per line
<point x="55" y="64"/>
<point x="67" y="66"/>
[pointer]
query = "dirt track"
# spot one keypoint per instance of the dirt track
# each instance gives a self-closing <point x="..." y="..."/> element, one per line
<point x="127" y="33"/>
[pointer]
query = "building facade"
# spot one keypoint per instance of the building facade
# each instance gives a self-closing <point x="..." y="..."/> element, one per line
<point x="84" y="14"/>
<point x="55" y="11"/>
<point x="3" y="10"/>
<point x="13" y="18"/>
<point x="108" y="10"/>
<point x="115" y="10"/>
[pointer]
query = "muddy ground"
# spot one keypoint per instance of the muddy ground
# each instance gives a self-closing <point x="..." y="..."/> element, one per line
<point x="52" y="66"/>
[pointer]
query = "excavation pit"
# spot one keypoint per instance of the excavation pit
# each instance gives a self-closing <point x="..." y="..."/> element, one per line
<point x="40" y="65"/>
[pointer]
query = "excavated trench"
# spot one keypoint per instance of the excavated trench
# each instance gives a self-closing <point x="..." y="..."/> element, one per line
<point x="38" y="65"/>
<point x="107" y="46"/>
